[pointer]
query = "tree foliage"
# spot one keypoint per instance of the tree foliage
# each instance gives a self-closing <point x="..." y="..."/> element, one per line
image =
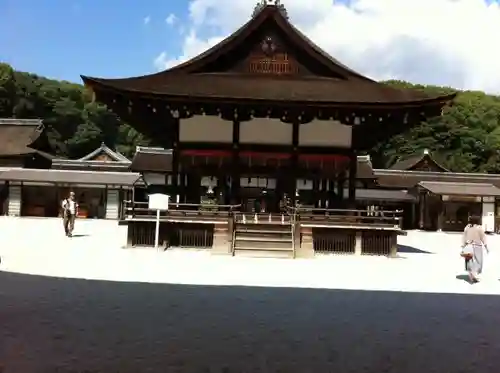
<point x="75" y="125"/>
<point x="466" y="138"/>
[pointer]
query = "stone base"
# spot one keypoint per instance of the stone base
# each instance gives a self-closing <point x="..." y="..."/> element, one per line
<point x="394" y="246"/>
<point x="304" y="248"/>
<point x="222" y="240"/>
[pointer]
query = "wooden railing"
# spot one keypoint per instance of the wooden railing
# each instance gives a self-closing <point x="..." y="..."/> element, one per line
<point x="180" y="212"/>
<point x="321" y="217"/>
<point x="348" y="217"/>
<point x="262" y="217"/>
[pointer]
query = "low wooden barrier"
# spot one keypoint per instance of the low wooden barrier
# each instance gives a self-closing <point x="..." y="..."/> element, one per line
<point x="327" y="231"/>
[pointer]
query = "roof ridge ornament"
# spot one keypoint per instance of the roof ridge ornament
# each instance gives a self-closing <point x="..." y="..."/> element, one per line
<point x="263" y="3"/>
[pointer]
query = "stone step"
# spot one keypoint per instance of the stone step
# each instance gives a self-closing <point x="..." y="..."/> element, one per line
<point x="264" y="253"/>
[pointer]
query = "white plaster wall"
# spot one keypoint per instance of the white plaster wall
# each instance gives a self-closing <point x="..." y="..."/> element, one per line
<point x="266" y="131"/>
<point x="205" y="128"/>
<point x="325" y="133"/>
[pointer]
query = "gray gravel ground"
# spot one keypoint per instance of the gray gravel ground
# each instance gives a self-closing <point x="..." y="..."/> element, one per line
<point x="326" y="322"/>
<point x="71" y="325"/>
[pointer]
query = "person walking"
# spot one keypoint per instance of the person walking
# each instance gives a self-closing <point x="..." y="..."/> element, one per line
<point x="70" y="210"/>
<point x="473" y="246"/>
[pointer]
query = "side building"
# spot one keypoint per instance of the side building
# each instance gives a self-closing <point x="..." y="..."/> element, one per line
<point x="33" y="182"/>
<point x="445" y="199"/>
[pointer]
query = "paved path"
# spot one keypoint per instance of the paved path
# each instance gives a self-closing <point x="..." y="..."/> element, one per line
<point x="162" y="312"/>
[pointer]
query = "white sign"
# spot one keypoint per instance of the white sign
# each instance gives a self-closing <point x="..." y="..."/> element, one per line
<point x="158" y="201"/>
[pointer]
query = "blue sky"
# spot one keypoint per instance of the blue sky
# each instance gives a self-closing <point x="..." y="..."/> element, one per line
<point x="65" y="38"/>
<point x="441" y="42"/>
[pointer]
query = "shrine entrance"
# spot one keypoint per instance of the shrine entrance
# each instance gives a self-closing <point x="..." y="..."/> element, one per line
<point x="261" y="195"/>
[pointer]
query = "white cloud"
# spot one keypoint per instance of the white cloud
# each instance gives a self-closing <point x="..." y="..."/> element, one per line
<point x="146" y="20"/>
<point x="171" y="19"/>
<point x="444" y="42"/>
<point x="192" y="46"/>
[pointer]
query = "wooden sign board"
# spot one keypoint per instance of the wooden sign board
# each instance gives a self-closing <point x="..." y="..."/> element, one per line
<point x="158" y="202"/>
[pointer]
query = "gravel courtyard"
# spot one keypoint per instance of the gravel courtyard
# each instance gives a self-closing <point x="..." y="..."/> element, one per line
<point x="87" y="305"/>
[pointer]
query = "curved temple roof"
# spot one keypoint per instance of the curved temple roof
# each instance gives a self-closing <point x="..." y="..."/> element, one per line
<point x="198" y="78"/>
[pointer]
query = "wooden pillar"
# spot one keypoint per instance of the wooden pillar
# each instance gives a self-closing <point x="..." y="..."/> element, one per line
<point x="340" y="188"/>
<point x="421" y="210"/>
<point x="331" y="193"/>
<point x="414" y="220"/>
<point x="294" y="162"/>
<point x="175" y="158"/>
<point x="440" y="219"/>
<point x="315" y="191"/>
<point x="235" y="169"/>
<point x="353" y="170"/>
<point x="132" y="203"/>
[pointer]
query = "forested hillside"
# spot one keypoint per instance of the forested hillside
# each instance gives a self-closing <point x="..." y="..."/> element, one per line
<point x="465" y="139"/>
<point x="76" y="126"/>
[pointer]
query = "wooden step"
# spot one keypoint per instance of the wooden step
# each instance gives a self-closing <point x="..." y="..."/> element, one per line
<point x="260" y="229"/>
<point x="264" y="253"/>
<point x="242" y="244"/>
<point x="273" y="238"/>
<point x="265" y="248"/>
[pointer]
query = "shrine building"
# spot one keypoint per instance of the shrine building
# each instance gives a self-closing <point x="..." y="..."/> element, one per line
<point x="270" y="126"/>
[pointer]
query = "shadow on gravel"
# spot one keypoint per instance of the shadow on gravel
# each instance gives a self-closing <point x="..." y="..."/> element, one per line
<point x="70" y="325"/>
<point x="404" y="249"/>
<point x="464" y="277"/>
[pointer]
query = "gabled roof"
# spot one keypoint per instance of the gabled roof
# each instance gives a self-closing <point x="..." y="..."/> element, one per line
<point x="18" y="135"/>
<point x="208" y="75"/>
<point x="117" y="162"/>
<point x="103" y="149"/>
<point x="413" y="162"/>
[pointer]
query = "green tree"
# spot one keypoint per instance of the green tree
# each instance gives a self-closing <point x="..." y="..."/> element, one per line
<point x="7" y="90"/>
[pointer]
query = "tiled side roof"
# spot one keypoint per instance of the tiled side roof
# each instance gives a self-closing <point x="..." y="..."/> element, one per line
<point x="463" y="189"/>
<point x="17" y="135"/>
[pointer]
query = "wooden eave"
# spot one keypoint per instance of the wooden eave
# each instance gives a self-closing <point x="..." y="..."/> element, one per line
<point x="188" y="81"/>
<point x="184" y="91"/>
